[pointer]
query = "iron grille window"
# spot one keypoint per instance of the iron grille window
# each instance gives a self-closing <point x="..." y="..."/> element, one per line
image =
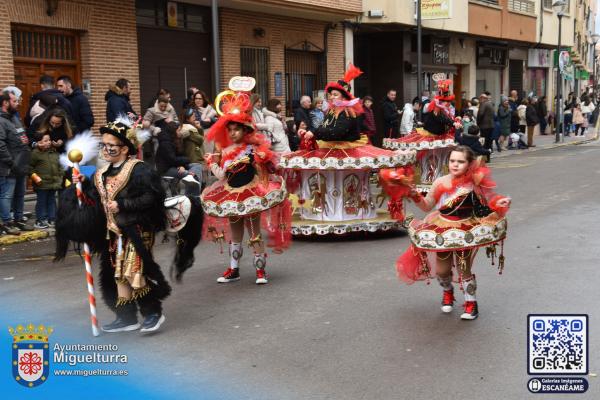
<point x="255" y="63"/>
<point x="44" y="45"/>
<point x="548" y="5"/>
<point x="304" y="75"/>
<point x="526" y="6"/>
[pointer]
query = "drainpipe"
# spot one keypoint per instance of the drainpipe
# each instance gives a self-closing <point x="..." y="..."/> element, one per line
<point x="541" y="23"/>
<point x="216" y="48"/>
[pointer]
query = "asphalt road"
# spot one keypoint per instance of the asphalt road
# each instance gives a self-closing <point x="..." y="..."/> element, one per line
<point x="335" y="323"/>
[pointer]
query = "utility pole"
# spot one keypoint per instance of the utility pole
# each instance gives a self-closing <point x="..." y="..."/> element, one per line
<point x="216" y="48"/>
<point x="419" y="55"/>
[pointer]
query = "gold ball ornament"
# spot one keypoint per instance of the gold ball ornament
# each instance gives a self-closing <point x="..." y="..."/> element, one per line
<point x="75" y="156"/>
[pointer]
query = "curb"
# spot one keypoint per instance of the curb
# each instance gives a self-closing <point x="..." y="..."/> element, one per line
<point x="24" y="237"/>
<point x="551" y="146"/>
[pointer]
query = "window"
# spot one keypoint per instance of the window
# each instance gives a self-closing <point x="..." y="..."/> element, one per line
<point x="255" y="63"/>
<point x="425" y="44"/>
<point x="43" y="44"/>
<point x="189" y="17"/>
<point x="526" y="6"/>
<point x="304" y="75"/>
<point x="548" y="5"/>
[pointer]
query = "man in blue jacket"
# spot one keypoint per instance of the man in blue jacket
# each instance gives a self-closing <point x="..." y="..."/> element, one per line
<point x="117" y="101"/>
<point x="82" y="112"/>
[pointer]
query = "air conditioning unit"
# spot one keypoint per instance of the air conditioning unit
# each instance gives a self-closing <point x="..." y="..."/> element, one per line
<point x="376" y="13"/>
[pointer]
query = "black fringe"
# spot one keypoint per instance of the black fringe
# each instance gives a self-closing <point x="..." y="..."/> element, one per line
<point x="106" y="275"/>
<point x="187" y="240"/>
<point x="85" y="223"/>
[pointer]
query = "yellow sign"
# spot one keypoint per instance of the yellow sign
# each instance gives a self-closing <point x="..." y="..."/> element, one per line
<point x="172" y="14"/>
<point x="436" y="9"/>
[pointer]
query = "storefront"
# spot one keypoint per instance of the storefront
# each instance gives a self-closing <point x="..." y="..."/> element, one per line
<point x="536" y="78"/>
<point x="491" y="62"/>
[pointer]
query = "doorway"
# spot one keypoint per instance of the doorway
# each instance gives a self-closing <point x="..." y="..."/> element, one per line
<point x="41" y="51"/>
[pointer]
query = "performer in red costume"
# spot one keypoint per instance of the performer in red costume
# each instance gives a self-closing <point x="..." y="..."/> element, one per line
<point x="468" y="215"/>
<point x="247" y="186"/>
<point x="330" y="174"/>
<point x="434" y="140"/>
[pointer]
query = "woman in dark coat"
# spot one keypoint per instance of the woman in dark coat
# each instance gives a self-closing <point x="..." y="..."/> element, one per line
<point x="169" y="159"/>
<point x="504" y="117"/>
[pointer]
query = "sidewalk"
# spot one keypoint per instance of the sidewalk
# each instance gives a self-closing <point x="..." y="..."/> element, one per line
<point x="545" y="142"/>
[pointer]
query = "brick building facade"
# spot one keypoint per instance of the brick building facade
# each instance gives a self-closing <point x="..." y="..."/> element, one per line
<point x="107" y="47"/>
<point x="278" y="34"/>
<point x="100" y="41"/>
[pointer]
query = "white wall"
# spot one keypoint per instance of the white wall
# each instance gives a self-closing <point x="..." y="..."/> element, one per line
<point x="403" y="12"/>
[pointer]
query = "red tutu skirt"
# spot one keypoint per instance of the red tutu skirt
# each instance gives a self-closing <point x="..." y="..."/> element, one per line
<point x="438" y="233"/>
<point x="222" y="200"/>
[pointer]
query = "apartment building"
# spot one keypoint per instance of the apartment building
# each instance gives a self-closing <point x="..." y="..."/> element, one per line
<point x="493" y="45"/>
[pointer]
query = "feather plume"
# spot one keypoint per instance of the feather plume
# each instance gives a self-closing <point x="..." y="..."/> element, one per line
<point x="351" y="73"/>
<point x="85" y="142"/>
<point x="124" y="119"/>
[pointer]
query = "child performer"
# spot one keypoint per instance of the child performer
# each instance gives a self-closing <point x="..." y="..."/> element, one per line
<point x="244" y="165"/>
<point x="468" y="215"/>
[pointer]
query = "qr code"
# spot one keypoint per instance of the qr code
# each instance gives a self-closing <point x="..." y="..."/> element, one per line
<point x="557" y="344"/>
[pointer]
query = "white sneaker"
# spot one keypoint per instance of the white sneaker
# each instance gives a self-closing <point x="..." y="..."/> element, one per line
<point x="190" y="179"/>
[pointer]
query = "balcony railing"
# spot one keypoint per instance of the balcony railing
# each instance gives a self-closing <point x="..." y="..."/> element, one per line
<point x="525" y="6"/>
<point x="491" y="2"/>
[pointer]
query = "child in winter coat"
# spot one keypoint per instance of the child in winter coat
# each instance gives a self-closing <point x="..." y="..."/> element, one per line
<point x="470" y="138"/>
<point x="193" y="143"/>
<point x="47" y="178"/>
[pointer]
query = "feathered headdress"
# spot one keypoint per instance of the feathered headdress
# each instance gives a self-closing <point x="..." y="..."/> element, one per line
<point x="343" y="85"/>
<point x="232" y="107"/>
<point x="444" y="93"/>
<point x="127" y="131"/>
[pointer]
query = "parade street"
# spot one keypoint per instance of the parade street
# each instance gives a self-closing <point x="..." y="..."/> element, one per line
<point x="334" y="322"/>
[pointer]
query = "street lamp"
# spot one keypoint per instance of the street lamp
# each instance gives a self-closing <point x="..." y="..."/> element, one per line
<point x="595" y="39"/>
<point x="558" y="6"/>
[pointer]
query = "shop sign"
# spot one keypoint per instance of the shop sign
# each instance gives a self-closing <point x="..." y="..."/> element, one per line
<point x="538" y="58"/>
<point x="436" y="9"/>
<point x="278" y="84"/>
<point x="172" y="14"/>
<point x="440" y="53"/>
<point x="564" y="60"/>
<point x="491" y="57"/>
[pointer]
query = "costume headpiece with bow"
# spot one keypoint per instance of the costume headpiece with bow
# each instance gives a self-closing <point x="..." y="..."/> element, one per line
<point x="234" y="105"/>
<point x="343" y="85"/>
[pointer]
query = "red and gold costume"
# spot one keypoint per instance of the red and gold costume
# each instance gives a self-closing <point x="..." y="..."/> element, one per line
<point x="434" y="141"/>
<point x="330" y="175"/>
<point x="247" y="186"/>
<point x="468" y="215"/>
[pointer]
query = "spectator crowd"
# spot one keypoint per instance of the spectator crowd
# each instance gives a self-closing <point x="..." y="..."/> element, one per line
<point x="31" y="144"/>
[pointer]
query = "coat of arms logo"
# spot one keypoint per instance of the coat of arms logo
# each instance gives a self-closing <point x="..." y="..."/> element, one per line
<point x="30" y="354"/>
